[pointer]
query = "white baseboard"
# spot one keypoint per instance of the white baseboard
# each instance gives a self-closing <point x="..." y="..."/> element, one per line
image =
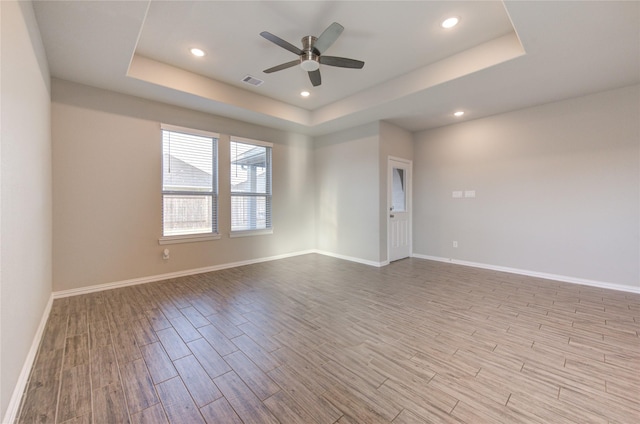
<point x="160" y="277"/>
<point x="14" y="404"/>
<point x="555" y="277"/>
<point x="352" y="259"/>
<point x="167" y="276"/>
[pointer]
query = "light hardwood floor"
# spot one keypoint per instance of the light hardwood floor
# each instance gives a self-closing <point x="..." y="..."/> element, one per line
<point x="313" y="339"/>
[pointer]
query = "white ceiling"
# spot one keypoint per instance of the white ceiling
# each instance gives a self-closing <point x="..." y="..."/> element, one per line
<point x="502" y="56"/>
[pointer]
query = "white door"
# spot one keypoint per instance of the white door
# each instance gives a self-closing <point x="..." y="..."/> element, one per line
<point x="399" y="195"/>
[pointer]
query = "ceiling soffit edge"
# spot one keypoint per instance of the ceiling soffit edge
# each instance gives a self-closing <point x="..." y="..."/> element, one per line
<point x="477" y="58"/>
<point x="168" y="76"/>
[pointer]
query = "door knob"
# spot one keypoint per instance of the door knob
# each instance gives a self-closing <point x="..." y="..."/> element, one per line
<point x="391" y="216"/>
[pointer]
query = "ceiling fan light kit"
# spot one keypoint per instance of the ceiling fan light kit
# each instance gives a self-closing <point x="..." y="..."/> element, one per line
<point x="310" y="65"/>
<point x="310" y="56"/>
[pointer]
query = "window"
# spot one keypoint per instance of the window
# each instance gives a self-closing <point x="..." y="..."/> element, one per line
<point x="250" y="185"/>
<point x="189" y="183"/>
<point x="398" y="194"/>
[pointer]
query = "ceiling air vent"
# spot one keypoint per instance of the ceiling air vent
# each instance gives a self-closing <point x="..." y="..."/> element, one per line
<point x="252" y="80"/>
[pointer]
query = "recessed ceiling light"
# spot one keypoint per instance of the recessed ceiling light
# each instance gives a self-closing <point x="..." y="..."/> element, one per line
<point x="305" y="93"/>
<point x="450" y="22"/>
<point x="197" y="52"/>
<point x="458" y="113"/>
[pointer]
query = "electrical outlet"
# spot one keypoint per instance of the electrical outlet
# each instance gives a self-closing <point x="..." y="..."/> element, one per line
<point x="455" y="244"/>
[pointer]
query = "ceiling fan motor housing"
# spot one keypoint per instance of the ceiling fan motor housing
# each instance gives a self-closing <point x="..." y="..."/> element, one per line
<point x="309" y="58"/>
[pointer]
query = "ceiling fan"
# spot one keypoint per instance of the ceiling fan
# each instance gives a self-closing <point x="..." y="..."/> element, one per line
<point x="310" y="56"/>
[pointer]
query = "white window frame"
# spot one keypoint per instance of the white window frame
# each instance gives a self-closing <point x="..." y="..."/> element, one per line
<point x="268" y="195"/>
<point x="214" y="234"/>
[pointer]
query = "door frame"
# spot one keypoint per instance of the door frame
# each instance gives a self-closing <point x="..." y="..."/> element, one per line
<point x="408" y="165"/>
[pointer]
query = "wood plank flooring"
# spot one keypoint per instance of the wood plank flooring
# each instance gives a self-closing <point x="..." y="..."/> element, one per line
<point x="313" y="339"/>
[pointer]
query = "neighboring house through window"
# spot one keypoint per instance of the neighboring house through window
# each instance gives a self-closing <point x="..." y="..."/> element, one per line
<point x="250" y="186"/>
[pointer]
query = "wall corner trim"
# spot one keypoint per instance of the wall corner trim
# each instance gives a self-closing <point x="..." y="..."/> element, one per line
<point x="555" y="277"/>
<point x="14" y="403"/>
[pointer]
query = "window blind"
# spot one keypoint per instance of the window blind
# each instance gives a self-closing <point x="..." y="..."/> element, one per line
<point x="250" y="185"/>
<point x="189" y="182"/>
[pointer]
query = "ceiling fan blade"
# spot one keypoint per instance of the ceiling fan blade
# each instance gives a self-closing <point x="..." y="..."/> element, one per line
<point x="282" y="66"/>
<point x="279" y="41"/>
<point x="341" y="62"/>
<point x="328" y="37"/>
<point x="314" y="76"/>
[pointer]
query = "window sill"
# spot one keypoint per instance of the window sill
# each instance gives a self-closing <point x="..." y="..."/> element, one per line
<point x="193" y="238"/>
<point x="248" y="233"/>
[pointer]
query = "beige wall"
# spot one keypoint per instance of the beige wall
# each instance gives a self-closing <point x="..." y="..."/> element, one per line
<point x="107" y="215"/>
<point x="107" y="182"/>
<point x="348" y="193"/>
<point x="25" y="190"/>
<point x="557" y="189"/>
<point x="351" y="192"/>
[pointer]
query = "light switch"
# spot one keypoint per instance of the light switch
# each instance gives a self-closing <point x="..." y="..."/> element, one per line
<point x="456" y="194"/>
<point x="470" y="193"/>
